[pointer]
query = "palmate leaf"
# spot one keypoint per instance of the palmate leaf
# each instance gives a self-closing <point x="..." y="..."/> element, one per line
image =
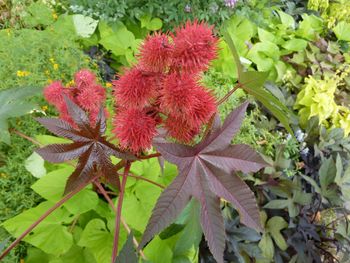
<point x="207" y="172"/>
<point x="89" y="146"/>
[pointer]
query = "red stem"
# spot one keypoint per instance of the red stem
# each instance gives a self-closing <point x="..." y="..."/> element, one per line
<point x="119" y="211"/>
<point x="150" y="156"/>
<point x="42" y="217"/>
<point x="109" y="200"/>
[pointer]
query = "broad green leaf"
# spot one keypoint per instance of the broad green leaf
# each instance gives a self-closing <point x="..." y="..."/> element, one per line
<point x="35" y="165"/>
<point x="84" y="25"/>
<point x="266" y="246"/>
<point x="52" y="186"/>
<point x="192" y="233"/>
<point x="276" y="204"/>
<point x="266" y="36"/>
<point x="151" y="23"/>
<point x="51" y="235"/>
<point x="234" y="52"/>
<point x="99" y="240"/>
<point x="38" y="14"/>
<point x="116" y="37"/>
<point x="156" y="248"/>
<point x="138" y="205"/>
<point x="12" y="104"/>
<point x="342" y="31"/>
<point x="327" y="173"/>
<point x="295" y="44"/>
<point x="310" y="27"/>
<point x="274" y="226"/>
<point x="252" y="83"/>
<point x="286" y="19"/>
<point x="49" y="139"/>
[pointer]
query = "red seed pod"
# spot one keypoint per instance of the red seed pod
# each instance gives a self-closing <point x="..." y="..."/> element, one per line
<point x="135" y="129"/>
<point x="135" y="88"/>
<point x="194" y="47"/>
<point x="155" y="53"/>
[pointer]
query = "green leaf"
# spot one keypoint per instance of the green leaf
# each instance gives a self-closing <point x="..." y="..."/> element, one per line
<point x="266" y="36"/>
<point x="49" y="139"/>
<point x="276" y="204"/>
<point x="51" y="235"/>
<point x="127" y="254"/>
<point x="84" y="25"/>
<point x="151" y="23"/>
<point x="295" y="44"/>
<point x="192" y="233"/>
<point x="116" y="37"/>
<point x="52" y="186"/>
<point x="171" y="230"/>
<point x="35" y="165"/>
<point x="12" y="104"/>
<point x="266" y="246"/>
<point x="99" y="240"/>
<point x="286" y="19"/>
<point x="155" y="247"/>
<point x="310" y="27"/>
<point x="342" y="31"/>
<point x="138" y="205"/>
<point x="275" y="225"/>
<point x="38" y="14"/>
<point x="327" y="173"/>
<point x="234" y="53"/>
<point x="252" y="83"/>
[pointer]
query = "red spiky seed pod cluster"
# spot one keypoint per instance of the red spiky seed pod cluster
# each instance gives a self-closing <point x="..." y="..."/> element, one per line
<point x="86" y="93"/>
<point x="164" y="88"/>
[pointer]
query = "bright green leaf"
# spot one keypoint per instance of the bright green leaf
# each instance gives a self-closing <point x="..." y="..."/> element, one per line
<point x="84" y="25"/>
<point x="342" y="31"/>
<point x="35" y="165"/>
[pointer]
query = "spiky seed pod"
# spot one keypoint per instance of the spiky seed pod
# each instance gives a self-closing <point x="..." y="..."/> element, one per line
<point x="194" y="47"/>
<point x="180" y="129"/>
<point x="135" y="88"/>
<point x="135" y="129"/>
<point x="155" y="53"/>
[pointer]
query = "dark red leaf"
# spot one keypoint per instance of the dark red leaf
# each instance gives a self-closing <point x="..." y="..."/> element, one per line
<point x="207" y="172"/>
<point x="89" y="146"/>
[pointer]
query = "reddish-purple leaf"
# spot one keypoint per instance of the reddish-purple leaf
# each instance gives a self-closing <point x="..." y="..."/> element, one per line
<point x="212" y="222"/>
<point x="170" y="203"/>
<point x="238" y="157"/>
<point x="206" y="172"/>
<point x="89" y="146"/>
<point x="233" y="189"/>
<point x="58" y="153"/>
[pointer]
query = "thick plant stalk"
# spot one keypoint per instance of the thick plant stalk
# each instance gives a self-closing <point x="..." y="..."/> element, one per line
<point x="119" y="212"/>
<point x="125" y="225"/>
<point x="41" y="218"/>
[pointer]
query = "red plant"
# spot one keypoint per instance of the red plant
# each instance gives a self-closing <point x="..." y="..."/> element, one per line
<point x="166" y="79"/>
<point x="162" y="91"/>
<point x="86" y="93"/>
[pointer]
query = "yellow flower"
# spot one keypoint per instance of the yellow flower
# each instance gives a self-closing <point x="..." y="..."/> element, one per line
<point x="54" y="15"/>
<point x="55" y="66"/>
<point x="49" y="81"/>
<point x="108" y="84"/>
<point x="44" y="108"/>
<point x="70" y="83"/>
<point x="22" y="73"/>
